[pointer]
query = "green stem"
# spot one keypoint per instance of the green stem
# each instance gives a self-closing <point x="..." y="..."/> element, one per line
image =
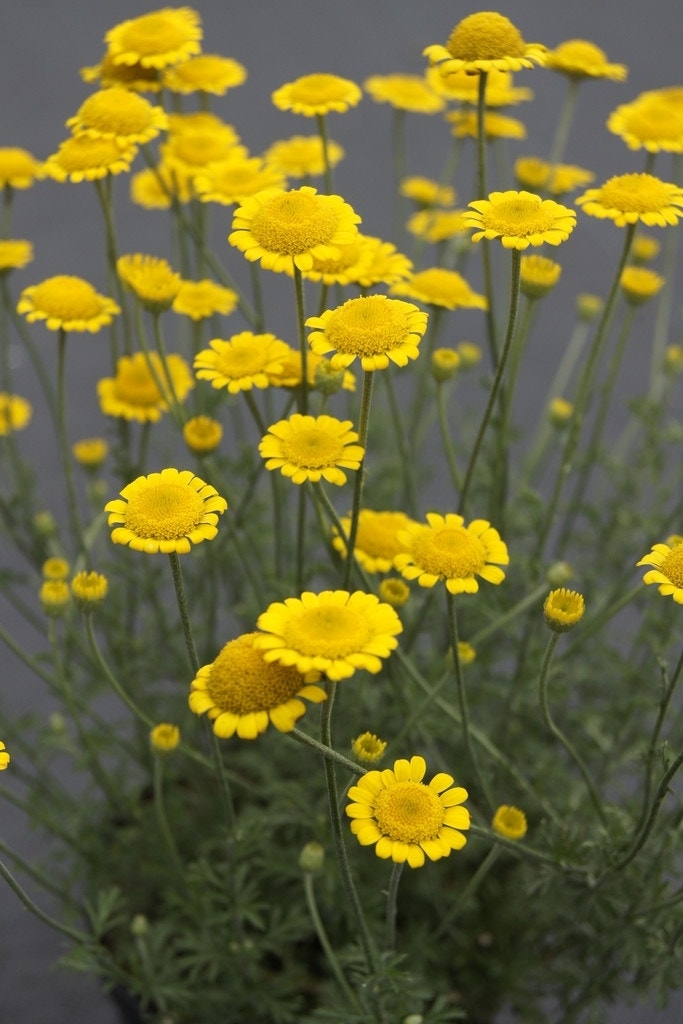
<point x="444" y="430"/>
<point x="363" y="421"/>
<point x="323" y="939"/>
<point x="482" y="193"/>
<point x="392" y="905"/>
<point x="301" y="334"/>
<point x="322" y="132"/>
<point x="470" y="889"/>
<point x="67" y="464"/>
<point x="183" y="610"/>
<point x="162" y="817"/>
<point x="81" y="938"/>
<point x="564" y="122"/>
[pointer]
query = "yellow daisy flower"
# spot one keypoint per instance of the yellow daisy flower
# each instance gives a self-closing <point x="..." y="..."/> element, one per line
<point x="485" y="41"/>
<point x="118" y="114"/>
<point x="155" y="188"/>
<point x="437" y="225"/>
<point x="405" y="818"/>
<point x="288" y="229"/>
<point x="15" y="253"/>
<point x="563" y="609"/>
<point x="427" y="192"/>
<point x="437" y="286"/>
<point x="368" y="747"/>
<point x="90" y="452"/>
<point x="208" y="73"/>
<point x="667" y="560"/>
<point x="237" y="178"/>
<point x="316" y="94"/>
<point x="578" y="58"/>
<point x="394" y="591"/>
<point x="54" y="596"/>
<point x="67" y="303"/>
<point x="151" y="279"/>
<point x="202" y="299"/>
<point x="242" y="692"/>
<point x="15" y="413"/>
<point x="164" y="738"/>
<point x="538" y="276"/>
<point x="650" y="122"/>
<point x="18" y="168"/>
<point x="387" y="265"/>
<point x="464" y="87"/>
<point x="335" y="632"/>
<point x="134" y="77"/>
<point x="447" y="550"/>
<point x="312" y="448"/>
<point x="632" y="198"/>
<point x="319" y="371"/>
<point x="167" y="511"/>
<point x="156" y="39"/>
<point x="639" y="284"/>
<point x="55" y="568"/>
<point x="81" y="158"/>
<point x="4" y="757"/>
<point x="139" y="391"/>
<point x="404" y="92"/>
<point x="301" y="156"/>
<point x="242" y="362"/>
<point x="89" y="590"/>
<point x="376" y="544"/>
<point x="352" y="262"/>
<point x="372" y="328"/>
<point x="520" y="219"/>
<point x="538" y="175"/>
<point x="465" y="125"/>
<point x="202" y="434"/>
<point x="195" y="143"/>
<point x="445" y="363"/>
<point x="645" y="248"/>
<point x="509" y="822"/>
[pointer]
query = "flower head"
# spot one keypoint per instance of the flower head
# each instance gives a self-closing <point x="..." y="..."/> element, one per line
<point x="54" y="596"/>
<point x="243" y="692"/>
<point x="394" y="591"/>
<point x="520" y="219"/>
<point x="376" y="543"/>
<point x="316" y="94"/>
<point x="134" y="77"/>
<point x="405" y="818"/>
<point x="539" y="175"/>
<point x="335" y="632"/>
<point x="151" y="279"/>
<point x="140" y="389"/>
<point x="15" y="413"/>
<point x="445" y="364"/>
<point x="15" y="253"/>
<point x="371" y="328"/>
<point x="164" y="738"/>
<point x="67" y="303"/>
<point x="426" y="192"/>
<point x="243" y="362"/>
<point x="301" y="156"/>
<point x="464" y="87"/>
<point x="55" y="568"/>
<point x="578" y="58"/>
<point x="18" y="168"/>
<point x="640" y="284"/>
<point x="156" y="39"/>
<point x="312" y="448"/>
<point x="368" y="748"/>
<point x="4" y="757"/>
<point x="632" y="198"/>
<point x="82" y="158"/>
<point x="202" y="434"/>
<point x="485" y="41"/>
<point x="563" y="609"/>
<point x="650" y="122"/>
<point x="559" y="411"/>
<point x="118" y="114"/>
<point x="237" y="178"/>
<point x="437" y="286"/>
<point x="667" y="559"/>
<point x="90" y="452"/>
<point x="445" y="549"/>
<point x="387" y="265"/>
<point x="89" y="590"/>
<point x="538" y="276"/>
<point x="202" y="299"/>
<point x="167" y="511"/>
<point x="509" y="822"/>
<point x="288" y="229"/>
<point x="465" y="125"/>
<point x="405" y="92"/>
<point x="435" y="225"/>
<point x="207" y="73"/>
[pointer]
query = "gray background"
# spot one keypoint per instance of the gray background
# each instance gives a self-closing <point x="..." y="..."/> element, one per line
<point x="42" y="46"/>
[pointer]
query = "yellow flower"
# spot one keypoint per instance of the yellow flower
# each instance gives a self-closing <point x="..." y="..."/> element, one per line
<point x="560" y="411"/>
<point x="237" y="178"/>
<point x="667" y="560"/>
<point x="15" y="253"/>
<point x="351" y="263"/>
<point x="404" y="818"/>
<point x="633" y="198"/>
<point x="288" y="229"/>
<point x="139" y="391"/>
<point x="164" y="738"/>
<point x="15" y="413"/>
<point x="134" y="77"/>
<point x="319" y="371"/>
<point x="437" y="286"/>
<point x="4" y="757"/>
<point x="154" y="188"/>
<point x="195" y="143"/>
<point x="312" y="448"/>
<point x="317" y="94"/>
<point x="335" y="632"/>
<point x="509" y="822"/>
<point x="673" y="359"/>
<point x="578" y="58"/>
<point x="67" y="303"/>
<point x="650" y="122"/>
<point x="464" y="87"/>
<point x="445" y="363"/>
<point x="243" y="362"/>
<point x="538" y="175"/>
<point x="465" y="125"/>
<point x="81" y="158"/>
<point x="447" y="550"/>
<point x="589" y="306"/>
<point x="208" y="73"/>
<point x="90" y="452"/>
<point x="394" y="591"/>
<point x="202" y="434"/>
<point x="372" y="328"/>
<point x="18" y="168"/>
<point x="387" y="265"/>
<point x="644" y="248"/>
<point x="639" y="284"/>
<point x="120" y="115"/>
<point x="167" y="511"/>
<point x="538" y="276"/>
<point x="404" y="92"/>
<point x="368" y="748"/>
<point x="151" y="279"/>
<point x="156" y="39"/>
<point x="56" y="569"/>
<point x="470" y="354"/>
<point x="376" y="543"/>
<point x="563" y="609"/>
<point x="437" y="225"/>
<point x="520" y="219"/>
<point x="427" y="192"/>
<point x="485" y="41"/>
<point x="202" y="299"/>
<point x="89" y="589"/>
<point x="54" y="596"/>
<point x="466" y="653"/>
<point x="301" y="156"/>
<point x="243" y="692"/>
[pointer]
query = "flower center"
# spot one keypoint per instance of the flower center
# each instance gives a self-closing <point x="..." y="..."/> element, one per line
<point x="452" y="552"/>
<point x="312" y="448"/>
<point x="672" y="566"/>
<point x="116" y="110"/>
<point x="155" y="33"/>
<point x="368" y="326"/>
<point x="241" y="682"/>
<point x="241" y="359"/>
<point x="634" y="193"/>
<point x="327" y="631"/>
<point x="293" y="223"/>
<point x="520" y="215"/>
<point x="315" y="89"/>
<point x="582" y="52"/>
<point x="68" y="298"/>
<point x="135" y="385"/>
<point x="409" y="812"/>
<point x="485" y="36"/>
<point x="164" y="511"/>
<point x="377" y="533"/>
<point x="81" y="153"/>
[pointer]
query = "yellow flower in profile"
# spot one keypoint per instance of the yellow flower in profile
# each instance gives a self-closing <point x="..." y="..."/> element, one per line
<point x="242" y="362"/>
<point x="447" y="550"/>
<point x="167" y="511"/>
<point x="128" y="76"/>
<point x="445" y="364"/>
<point x="4" y="757"/>
<point x="118" y="114"/>
<point x="376" y="543"/>
<point x="387" y="265"/>
<point x="139" y="391"/>
<point x="578" y="58"/>
<point x="15" y="413"/>
<point x="151" y="279"/>
<point x="466" y="653"/>
<point x="90" y="452"/>
<point x="371" y="328"/>
<point x="404" y="92"/>
<point x="352" y="262"/>
<point x="67" y="303"/>
<point x="164" y="738"/>
<point x="155" y="188"/>
<point x="394" y="591"/>
<point x="157" y="39"/>
<point x="18" y="168"/>
<point x="645" y="248"/>
<point x="427" y="192"/>
<point x="195" y="143"/>
<point x="81" y="158"/>
<point x="470" y="354"/>
<point x="509" y="822"/>
<point x="464" y="87"/>
<point x="650" y="122"/>
<point x="312" y="448"/>
<point x="203" y="299"/>
<point x="438" y="286"/>
<point x="288" y="229"/>
<point x="405" y="818"/>
<point x="563" y="609"/>
<point x="56" y="568"/>
<point x="89" y="590"/>
<point x="235" y="179"/>
<point x="538" y="276"/>
<point x="538" y="175"/>
<point x="301" y="156"/>
<point x="437" y="225"/>
<point x="465" y="125"/>
<point x="368" y="747"/>
<point x="635" y="198"/>
<point x="54" y="596"/>
<point x="15" y="253"/>
<point x="589" y="306"/>
<point x="202" y="434"/>
<point x="319" y="372"/>
<point x="207" y="73"/>
<point x="667" y="573"/>
<point x="485" y="41"/>
<point x="520" y="219"/>
<point x="639" y="284"/>
<point x="316" y="94"/>
<point x="243" y="693"/>
<point x="335" y="632"/>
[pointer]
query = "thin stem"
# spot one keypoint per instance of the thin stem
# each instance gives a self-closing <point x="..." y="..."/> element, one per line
<point x="363" y="420"/>
<point x="323" y="939"/>
<point x="444" y="430"/>
<point x="301" y="334"/>
<point x="392" y="905"/>
<point x="79" y="937"/>
<point x="67" y="465"/>
<point x="162" y="817"/>
<point x="183" y="610"/>
<point x="322" y="132"/>
<point x="470" y="889"/>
